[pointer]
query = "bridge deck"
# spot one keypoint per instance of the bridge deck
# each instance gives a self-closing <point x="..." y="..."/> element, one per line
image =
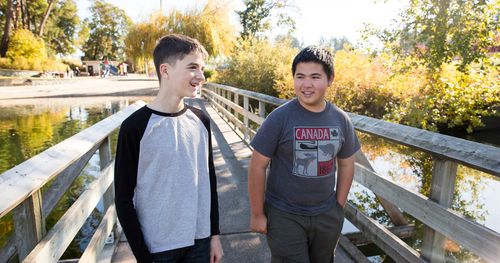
<point x="231" y="157"/>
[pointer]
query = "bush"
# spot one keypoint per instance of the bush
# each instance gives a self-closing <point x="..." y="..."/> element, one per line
<point x="28" y="52"/>
<point x="366" y="85"/>
<point x="452" y="100"/>
<point x="256" y="65"/>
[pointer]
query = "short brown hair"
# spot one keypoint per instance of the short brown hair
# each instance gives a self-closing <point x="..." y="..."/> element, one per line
<point x="173" y="47"/>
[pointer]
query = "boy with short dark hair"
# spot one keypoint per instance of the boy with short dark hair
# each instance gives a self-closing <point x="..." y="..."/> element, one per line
<point x="165" y="185"/>
<point x="306" y="140"/>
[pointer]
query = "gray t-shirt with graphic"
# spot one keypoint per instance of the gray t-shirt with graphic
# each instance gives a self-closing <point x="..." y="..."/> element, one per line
<point x="303" y="147"/>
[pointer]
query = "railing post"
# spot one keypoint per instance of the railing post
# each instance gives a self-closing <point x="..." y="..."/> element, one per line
<point x="236" y="100"/>
<point x="245" y="117"/>
<point x="29" y="224"/>
<point x="444" y="174"/>
<point x="262" y="109"/>
<point x="104" y="160"/>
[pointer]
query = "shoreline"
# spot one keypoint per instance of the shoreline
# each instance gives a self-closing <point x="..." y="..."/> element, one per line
<point x="79" y="89"/>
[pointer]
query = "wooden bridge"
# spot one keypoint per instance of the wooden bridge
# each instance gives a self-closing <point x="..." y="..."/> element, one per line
<point x="31" y="190"/>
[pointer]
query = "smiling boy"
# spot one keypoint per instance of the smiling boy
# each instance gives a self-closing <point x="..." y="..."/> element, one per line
<point x="165" y="185"/>
<point x="306" y="141"/>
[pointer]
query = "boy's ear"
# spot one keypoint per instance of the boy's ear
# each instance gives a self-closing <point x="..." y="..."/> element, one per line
<point x="330" y="81"/>
<point x="164" y="69"/>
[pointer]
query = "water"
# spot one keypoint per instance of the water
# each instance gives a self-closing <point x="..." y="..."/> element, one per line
<point x="30" y="127"/>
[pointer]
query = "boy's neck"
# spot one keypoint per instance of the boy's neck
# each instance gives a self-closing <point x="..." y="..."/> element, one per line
<point x="166" y="104"/>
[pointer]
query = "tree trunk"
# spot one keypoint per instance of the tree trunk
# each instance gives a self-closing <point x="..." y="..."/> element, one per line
<point x="24" y="14"/>
<point x="6" y="32"/>
<point x="45" y="17"/>
<point x="15" y="14"/>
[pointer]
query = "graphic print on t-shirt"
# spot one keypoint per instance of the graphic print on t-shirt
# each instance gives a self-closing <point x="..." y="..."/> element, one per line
<point x="314" y="150"/>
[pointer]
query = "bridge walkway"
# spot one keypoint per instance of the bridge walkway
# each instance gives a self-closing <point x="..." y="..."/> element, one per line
<point x="231" y="158"/>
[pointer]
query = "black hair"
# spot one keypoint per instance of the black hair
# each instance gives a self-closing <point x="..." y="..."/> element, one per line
<point x="173" y="47"/>
<point x="315" y="54"/>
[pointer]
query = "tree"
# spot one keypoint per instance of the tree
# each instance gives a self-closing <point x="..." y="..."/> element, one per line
<point x="255" y="19"/>
<point x="210" y="25"/>
<point x="7" y="29"/>
<point x="45" y="17"/>
<point x="53" y="20"/>
<point x="62" y="24"/>
<point x="108" y="27"/>
<point x="335" y="43"/>
<point x="440" y="31"/>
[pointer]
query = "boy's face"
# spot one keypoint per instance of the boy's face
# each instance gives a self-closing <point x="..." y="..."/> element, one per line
<point x="185" y="77"/>
<point x="310" y="82"/>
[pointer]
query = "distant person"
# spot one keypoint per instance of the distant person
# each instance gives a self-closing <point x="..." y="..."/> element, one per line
<point x="165" y="184"/>
<point x="306" y="140"/>
<point x="106" y="68"/>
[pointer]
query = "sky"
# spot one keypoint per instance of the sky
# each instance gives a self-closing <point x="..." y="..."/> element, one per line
<point x="314" y="18"/>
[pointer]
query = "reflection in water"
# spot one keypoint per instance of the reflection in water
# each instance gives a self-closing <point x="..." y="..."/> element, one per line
<point x="474" y="197"/>
<point x="27" y="130"/>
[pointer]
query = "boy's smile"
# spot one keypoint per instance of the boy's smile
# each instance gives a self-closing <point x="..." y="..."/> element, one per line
<point x="310" y="83"/>
<point x="185" y="77"/>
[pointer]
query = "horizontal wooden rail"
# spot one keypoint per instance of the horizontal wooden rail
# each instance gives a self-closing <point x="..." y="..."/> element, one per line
<point x="251" y="94"/>
<point x="53" y="245"/>
<point x="482" y="157"/>
<point x="20" y="182"/>
<point x="479" y="239"/>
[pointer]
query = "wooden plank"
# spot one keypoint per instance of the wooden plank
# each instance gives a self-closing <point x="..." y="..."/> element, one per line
<point x="29" y="226"/>
<point x="105" y="159"/>
<point x="397" y="218"/>
<point x="398" y="250"/>
<point x="245" y="116"/>
<point x="234" y="120"/>
<point x="20" y="182"/>
<point x="444" y="175"/>
<point x="96" y="244"/>
<point x="402" y="232"/>
<point x="53" y="245"/>
<point x="479" y="239"/>
<point x="262" y="110"/>
<point x="352" y="250"/>
<point x="218" y="99"/>
<point x="479" y="156"/>
<point x="241" y="110"/>
<point x="254" y="95"/>
<point x="63" y="181"/>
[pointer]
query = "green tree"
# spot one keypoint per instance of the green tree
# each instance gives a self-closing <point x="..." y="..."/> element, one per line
<point x="62" y="26"/>
<point x="440" y="31"/>
<point x="108" y="27"/>
<point x="256" y="17"/>
<point x="53" y="20"/>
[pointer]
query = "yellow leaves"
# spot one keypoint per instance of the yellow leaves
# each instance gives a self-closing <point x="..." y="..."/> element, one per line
<point x="210" y="25"/>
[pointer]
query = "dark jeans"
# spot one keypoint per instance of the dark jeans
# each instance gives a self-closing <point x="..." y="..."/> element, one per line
<point x="303" y="239"/>
<point x="197" y="253"/>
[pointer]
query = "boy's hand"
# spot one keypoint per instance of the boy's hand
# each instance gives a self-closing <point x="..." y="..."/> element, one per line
<point x="258" y="223"/>
<point x="216" y="252"/>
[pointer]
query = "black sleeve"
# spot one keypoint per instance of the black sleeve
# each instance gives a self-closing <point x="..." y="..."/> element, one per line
<point x="126" y="162"/>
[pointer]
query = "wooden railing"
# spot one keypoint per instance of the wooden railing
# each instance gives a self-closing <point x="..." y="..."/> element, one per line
<point x="20" y="190"/>
<point x="433" y="211"/>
